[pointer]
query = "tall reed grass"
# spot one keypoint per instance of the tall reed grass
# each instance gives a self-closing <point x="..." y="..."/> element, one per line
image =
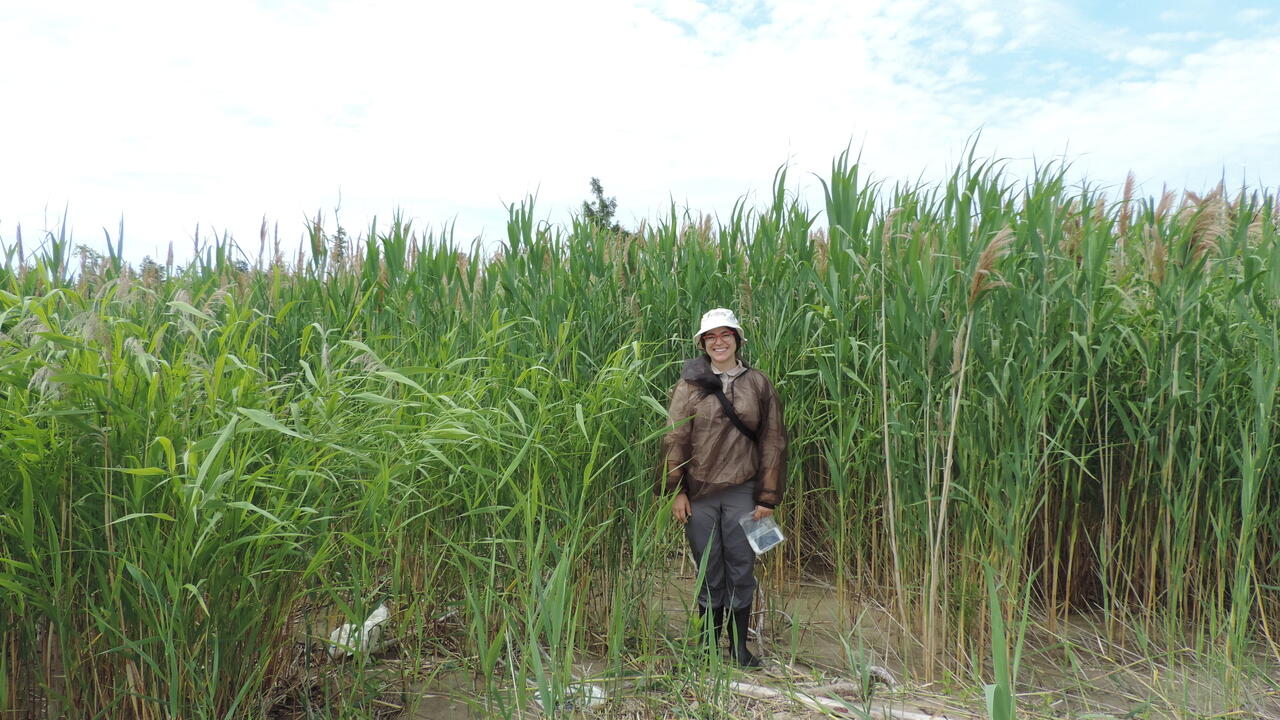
<point x="991" y="382"/>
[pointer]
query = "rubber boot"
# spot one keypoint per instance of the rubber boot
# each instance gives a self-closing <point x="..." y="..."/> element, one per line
<point x="738" y="636"/>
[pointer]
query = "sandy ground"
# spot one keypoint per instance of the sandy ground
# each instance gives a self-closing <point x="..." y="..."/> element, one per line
<point x="804" y="637"/>
<point x="808" y="638"/>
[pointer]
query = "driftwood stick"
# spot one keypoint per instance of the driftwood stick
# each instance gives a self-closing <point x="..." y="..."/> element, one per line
<point x="765" y="693"/>
<point x="827" y="705"/>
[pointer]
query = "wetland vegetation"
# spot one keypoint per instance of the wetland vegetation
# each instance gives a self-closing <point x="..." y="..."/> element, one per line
<point x="1033" y="448"/>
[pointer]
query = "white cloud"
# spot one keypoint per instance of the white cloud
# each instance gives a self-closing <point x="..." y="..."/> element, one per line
<point x="451" y="110"/>
<point x="1146" y="56"/>
<point x="1185" y="126"/>
<point x="984" y="26"/>
<point x="1176" y="37"/>
<point x="1252" y="15"/>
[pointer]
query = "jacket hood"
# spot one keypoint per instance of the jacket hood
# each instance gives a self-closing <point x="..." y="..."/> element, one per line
<point x="697" y="372"/>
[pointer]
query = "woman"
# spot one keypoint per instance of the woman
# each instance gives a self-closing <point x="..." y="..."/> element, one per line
<point x="722" y="468"/>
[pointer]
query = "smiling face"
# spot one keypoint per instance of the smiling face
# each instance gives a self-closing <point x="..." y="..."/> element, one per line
<point x="721" y="344"/>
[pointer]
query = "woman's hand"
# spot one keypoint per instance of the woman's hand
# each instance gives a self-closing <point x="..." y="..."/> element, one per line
<point x="681" y="509"/>
<point x="761" y="513"/>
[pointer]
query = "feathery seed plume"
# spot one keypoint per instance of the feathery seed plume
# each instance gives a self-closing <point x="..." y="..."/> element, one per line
<point x="1125" y="199"/>
<point x="984" y="275"/>
<point x="1166" y="202"/>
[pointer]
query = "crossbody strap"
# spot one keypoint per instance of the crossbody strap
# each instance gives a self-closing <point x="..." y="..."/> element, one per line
<point x="733" y="417"/>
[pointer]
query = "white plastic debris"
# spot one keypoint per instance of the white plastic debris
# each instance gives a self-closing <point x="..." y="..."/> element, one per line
<point x="581" y="696"/>
<point x="367" y="638"/>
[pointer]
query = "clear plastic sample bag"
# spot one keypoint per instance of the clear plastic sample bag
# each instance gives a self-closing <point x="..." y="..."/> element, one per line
<point x="762" y="534"/>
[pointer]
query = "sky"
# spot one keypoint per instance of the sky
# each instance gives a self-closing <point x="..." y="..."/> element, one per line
<point x="176" y="115"/>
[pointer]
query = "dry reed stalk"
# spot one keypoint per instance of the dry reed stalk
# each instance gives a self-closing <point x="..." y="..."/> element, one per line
<point x="981" y="283"/>
<point x="891" y="509"/>
<point x="1265" y="624"/>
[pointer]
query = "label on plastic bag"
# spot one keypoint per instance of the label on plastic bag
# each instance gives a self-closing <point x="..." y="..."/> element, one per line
<point x="761" y="534"/>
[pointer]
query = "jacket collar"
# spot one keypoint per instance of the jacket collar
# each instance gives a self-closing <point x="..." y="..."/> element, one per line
<point x="697" y="371"/>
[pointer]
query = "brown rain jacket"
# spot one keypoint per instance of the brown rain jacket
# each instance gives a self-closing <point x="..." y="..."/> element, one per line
<point x="708" y="453"/>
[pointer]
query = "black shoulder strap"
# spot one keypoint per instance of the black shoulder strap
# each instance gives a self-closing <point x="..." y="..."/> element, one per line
<point x="733" y="417"/>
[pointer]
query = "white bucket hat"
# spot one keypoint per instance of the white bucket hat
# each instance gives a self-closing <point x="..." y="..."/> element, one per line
<point x="719" y="317"/>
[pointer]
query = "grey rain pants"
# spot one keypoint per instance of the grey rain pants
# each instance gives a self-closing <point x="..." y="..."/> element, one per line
<point x="713" y="530"/>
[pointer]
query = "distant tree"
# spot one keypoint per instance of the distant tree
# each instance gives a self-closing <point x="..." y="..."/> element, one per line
<point x="599" y="210"/>
<point x="151" y="272"/>
<point x="90" y="260"/>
